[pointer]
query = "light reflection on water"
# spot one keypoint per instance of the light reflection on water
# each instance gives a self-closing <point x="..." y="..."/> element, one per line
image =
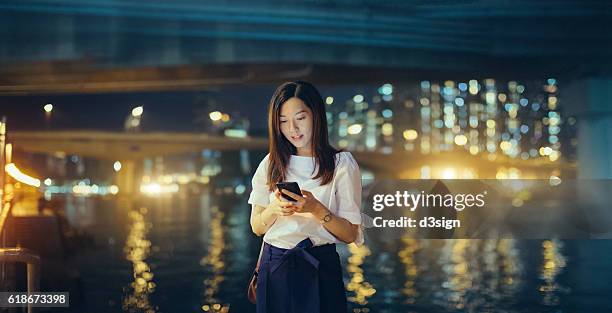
<point x="411" y="270"/>
<point x="454" y="263"/>
<point x="137" y="249"/>
<point x="202" y="252"/>
<point x="215" y="260"/>
<point x="552" y="265"/>
<point x="359" y="289"/>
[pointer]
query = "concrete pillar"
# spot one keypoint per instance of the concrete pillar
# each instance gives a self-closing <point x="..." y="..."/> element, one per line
<point x="590" y="101"/>
<point x="126" y="178"/>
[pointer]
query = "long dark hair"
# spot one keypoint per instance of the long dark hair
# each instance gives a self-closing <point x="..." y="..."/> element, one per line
<point x="281" y="149"/>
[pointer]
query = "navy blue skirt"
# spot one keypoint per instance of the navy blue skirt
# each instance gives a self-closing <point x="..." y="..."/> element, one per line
<point x="304" y="279"/>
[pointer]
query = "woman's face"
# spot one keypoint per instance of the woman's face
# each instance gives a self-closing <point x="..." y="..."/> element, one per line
<point x="296" y="124"/>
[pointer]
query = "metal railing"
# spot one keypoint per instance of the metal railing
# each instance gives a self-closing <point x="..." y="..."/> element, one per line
<point x="32" y="260"/>
<point x="18" y="255"/>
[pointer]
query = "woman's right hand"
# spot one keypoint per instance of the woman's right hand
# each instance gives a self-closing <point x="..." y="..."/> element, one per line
<point x="281" y="207"/>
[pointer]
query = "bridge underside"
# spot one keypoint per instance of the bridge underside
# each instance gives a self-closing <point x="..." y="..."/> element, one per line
<point x="103" y="46"/>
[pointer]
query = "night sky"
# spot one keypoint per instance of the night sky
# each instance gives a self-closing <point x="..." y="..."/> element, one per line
<point x="180" y="111"/>
<point x="163" y="111"/>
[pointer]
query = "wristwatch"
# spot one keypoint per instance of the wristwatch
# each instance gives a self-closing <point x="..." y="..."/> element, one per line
<point x="327" y="217"/>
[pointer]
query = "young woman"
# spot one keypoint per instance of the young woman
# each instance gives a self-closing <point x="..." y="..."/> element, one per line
<point x="300" y="269"/>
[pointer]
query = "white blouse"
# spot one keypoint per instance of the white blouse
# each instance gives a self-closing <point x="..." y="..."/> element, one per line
<point x="342" y="196"/>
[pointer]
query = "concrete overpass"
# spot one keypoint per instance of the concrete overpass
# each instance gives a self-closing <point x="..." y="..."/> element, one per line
<point x="127" y="146"/>
<point x="131" y="147"/>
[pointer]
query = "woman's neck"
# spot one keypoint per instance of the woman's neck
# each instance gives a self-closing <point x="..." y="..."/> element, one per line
<point x="304" y="152"/>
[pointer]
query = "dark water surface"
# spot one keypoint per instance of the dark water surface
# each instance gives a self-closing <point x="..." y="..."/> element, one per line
<point x="195" y="254"/>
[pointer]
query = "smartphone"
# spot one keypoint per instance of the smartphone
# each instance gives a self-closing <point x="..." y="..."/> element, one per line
<point x="291" y="186"/>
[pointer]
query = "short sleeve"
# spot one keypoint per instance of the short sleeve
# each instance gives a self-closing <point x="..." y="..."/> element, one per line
<point x="260" y="194"/>
<point x="348" y="192"/>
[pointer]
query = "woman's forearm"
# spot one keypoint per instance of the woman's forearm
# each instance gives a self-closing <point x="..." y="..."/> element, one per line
<point x="261" y="219"/>
<point x="338" y="226"/>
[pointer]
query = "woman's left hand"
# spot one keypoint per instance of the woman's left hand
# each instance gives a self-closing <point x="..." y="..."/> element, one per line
<point x="306" y="203"/>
